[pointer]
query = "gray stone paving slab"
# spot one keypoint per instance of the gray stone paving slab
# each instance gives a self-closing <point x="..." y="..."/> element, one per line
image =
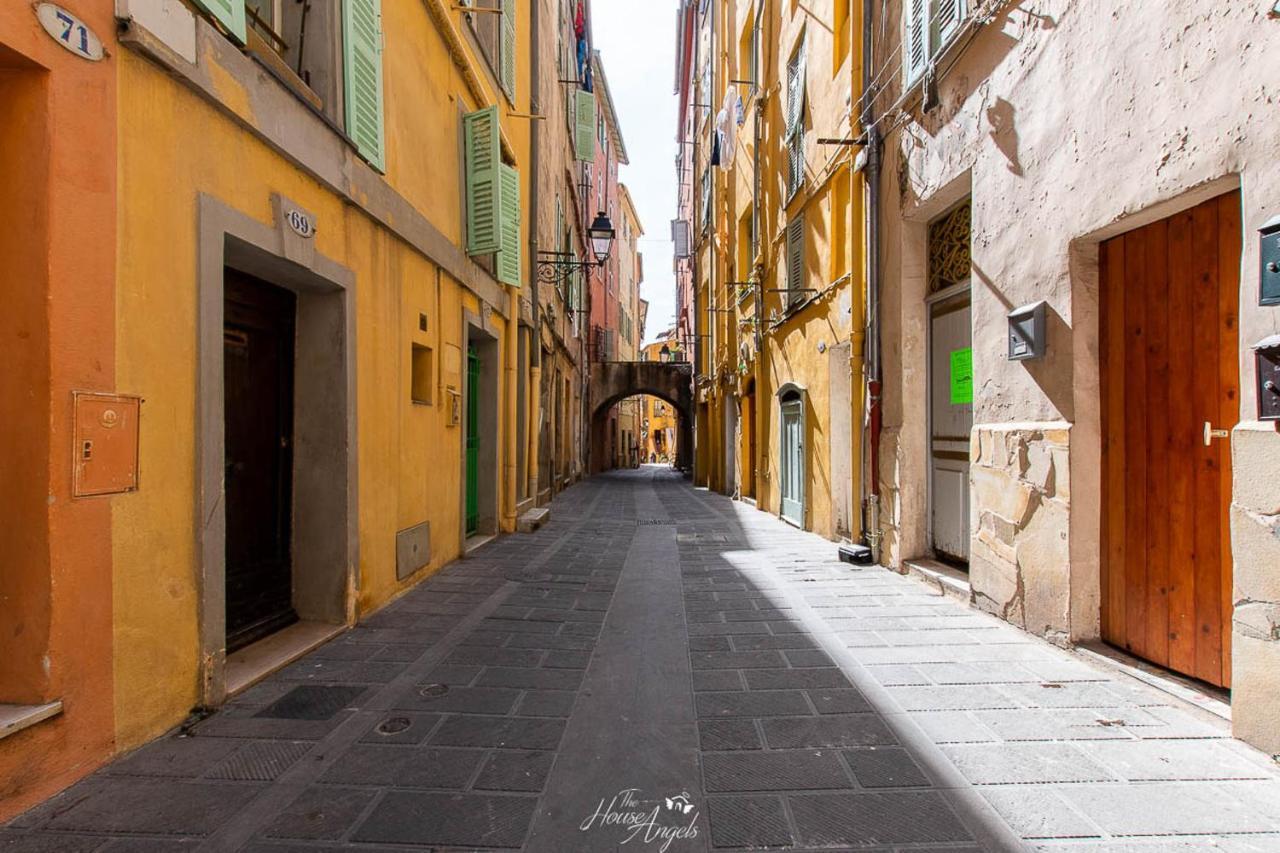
<point x="516" y="696"/>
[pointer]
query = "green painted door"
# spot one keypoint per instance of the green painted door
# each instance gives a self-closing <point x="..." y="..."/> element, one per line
<point x="473" y="441"/>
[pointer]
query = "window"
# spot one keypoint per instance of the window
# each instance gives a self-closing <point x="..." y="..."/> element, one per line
<point x="927" y="27"/>
<point x="423" y="377"/>
<point x="950" y="258"/>
<point x="749" y="50"/>
<point x="746" y="253"/>
<point x="493" y="210"/>
<point x="495" y="33"/>
<point x="795" y="259"/>
<point x="841" y="36"/>
<point x="329" y="54"/>
<point x="706" y="199"/>
<point x="795" y="117"/>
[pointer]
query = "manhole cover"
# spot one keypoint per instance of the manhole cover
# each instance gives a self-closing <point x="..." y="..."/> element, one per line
<point x="393" y="726"/>
<point x="430" y="691"/>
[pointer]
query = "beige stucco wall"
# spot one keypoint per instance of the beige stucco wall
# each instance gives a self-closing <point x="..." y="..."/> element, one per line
<point x="1068" y="123"/>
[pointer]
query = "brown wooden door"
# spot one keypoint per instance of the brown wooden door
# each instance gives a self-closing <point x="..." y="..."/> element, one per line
<point x="258" y="342"/>
<point x="1168" y="351"/>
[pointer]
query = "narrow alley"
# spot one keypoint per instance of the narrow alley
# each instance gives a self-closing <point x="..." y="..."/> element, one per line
<point x="660" y="668"/>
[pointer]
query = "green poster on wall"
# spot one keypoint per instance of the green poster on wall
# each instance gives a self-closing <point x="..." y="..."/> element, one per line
<point x="961" y="376"/>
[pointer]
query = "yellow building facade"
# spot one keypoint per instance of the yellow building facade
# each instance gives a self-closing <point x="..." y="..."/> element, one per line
<point x="776" y="248"/>
<point x="307" y="216"/>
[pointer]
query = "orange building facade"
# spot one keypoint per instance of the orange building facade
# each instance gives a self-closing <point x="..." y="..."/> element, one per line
<point x="57" y="206"/>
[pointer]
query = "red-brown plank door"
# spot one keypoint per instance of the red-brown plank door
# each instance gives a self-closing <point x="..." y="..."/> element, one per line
<point x="1169" y="350"/>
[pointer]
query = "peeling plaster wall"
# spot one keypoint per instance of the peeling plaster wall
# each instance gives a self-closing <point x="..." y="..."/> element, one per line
<point x="1069" y="123"/>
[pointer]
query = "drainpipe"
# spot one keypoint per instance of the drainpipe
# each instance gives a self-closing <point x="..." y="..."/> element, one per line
<point x="535" y="345"/>
<point x="872" y="132"/>
<point x="696" y="193"/>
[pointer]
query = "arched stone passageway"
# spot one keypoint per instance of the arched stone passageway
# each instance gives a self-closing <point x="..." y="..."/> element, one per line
<point x="613" y="381"/>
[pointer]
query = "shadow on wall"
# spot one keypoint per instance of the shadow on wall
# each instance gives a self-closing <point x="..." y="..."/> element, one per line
<point x="1053" y="373"/>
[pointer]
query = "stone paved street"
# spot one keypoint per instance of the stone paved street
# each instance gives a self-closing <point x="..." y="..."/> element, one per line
<point x="659" y="666"/>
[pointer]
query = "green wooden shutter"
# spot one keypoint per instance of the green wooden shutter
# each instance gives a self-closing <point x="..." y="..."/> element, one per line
<point x="509" y="268"/>
<point x="508" y="48"/>
<point x="795" y="257"/>
<point x="585" y="125"/>
<point x="230" y="13"/>
<point x="915" y="53"/>
<point x="484" y="190"/>
<point x="362" y="74"/>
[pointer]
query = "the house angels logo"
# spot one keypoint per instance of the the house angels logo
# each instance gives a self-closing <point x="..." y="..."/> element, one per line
<point x="647" y="821"/>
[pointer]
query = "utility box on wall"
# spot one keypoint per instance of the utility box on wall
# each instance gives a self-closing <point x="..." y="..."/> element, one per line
<point x="1267" y="356"/>
<point x="1028" y="332"/>
<point x="105" y="452"/>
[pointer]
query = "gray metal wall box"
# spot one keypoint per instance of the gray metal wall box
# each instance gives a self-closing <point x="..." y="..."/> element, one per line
<point x="1028" y="331"/>
<point x="1267" y="354"/>
<point x="1269" y="251"/>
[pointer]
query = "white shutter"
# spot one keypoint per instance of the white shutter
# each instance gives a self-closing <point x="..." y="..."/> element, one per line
<point x="947" y="16"/>
<point x="915" y="50"/>
<point x="680" y="236"/>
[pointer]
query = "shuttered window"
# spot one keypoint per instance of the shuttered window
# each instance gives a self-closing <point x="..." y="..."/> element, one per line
<point x="508" y="49"/>
<point x="483" y="159"/>
<point x="584" y="125"/>
<point x="928" y="26"/>
<point x="362" y="75"/>
<point x="796" y="87"/>
<point x="795" y="258"/>
<point x="229" y="13"/>
<point x="509" y="266"/>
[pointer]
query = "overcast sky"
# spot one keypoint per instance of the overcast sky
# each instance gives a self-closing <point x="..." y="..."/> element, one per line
<point x="637" y="42"/>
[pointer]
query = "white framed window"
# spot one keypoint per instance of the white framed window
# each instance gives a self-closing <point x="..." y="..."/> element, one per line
<point x="927" y="27"/>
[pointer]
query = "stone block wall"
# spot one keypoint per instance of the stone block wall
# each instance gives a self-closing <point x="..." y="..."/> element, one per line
<point x="1255" y="546"/>
<point x="1020" y="559"/>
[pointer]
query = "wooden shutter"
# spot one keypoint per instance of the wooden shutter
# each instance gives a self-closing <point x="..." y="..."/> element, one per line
<point x="508" y="48"/>
<point x="680" y="237"/>
<point x="362" y="74"/>
<point x="483" y="157"/>
<point x="795" y="256"/>
<point x="947" y="16"/>
<point x="229" y="13"/>
<point x="915" y="50"/>
<point x="585" y="121"/>
<point x="509" y="225"/>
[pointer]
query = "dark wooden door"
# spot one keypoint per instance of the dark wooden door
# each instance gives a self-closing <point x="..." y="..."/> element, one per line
<point x="258" y="343"/>
<point x="1170" y="380"/>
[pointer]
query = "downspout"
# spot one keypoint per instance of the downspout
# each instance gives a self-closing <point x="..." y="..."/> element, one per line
<point x="532" y="419"/>
<point x="872" y="132"/>
<point x="696" y="193"/>
<point x="757" y="268"/>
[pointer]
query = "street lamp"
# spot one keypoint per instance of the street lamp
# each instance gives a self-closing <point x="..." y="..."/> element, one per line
<point x="601" y="234"/>
<point x="556" y="267"/>
<point x="664" y="354"/>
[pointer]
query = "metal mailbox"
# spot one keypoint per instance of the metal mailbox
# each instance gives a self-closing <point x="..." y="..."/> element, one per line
<point x="1028" y="332"/>
<point x="1269" y="250"/>
<point x="1267" y="355"/>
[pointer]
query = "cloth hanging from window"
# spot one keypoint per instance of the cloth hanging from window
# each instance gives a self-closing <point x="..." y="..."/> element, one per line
<point x="725" y="134"/>
<point x="715" y="148"/>
<point x="579" y="22"/>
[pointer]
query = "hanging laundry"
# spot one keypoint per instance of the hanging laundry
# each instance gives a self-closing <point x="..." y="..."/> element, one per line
<point x="579" y="22"/>
<point x="725" y="133"/>
<point x="739" y="111"/>
<point x="715" y="148"/>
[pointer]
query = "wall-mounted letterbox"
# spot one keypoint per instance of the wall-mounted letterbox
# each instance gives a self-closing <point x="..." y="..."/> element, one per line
<point x="105" y="453"/>
<point x="1027" y="331"/>
<point x="1269" y="249"/>
<point x="1267" y="354"/>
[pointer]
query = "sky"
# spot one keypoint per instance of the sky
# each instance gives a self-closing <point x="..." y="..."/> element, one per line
<point x="636" y="41"/>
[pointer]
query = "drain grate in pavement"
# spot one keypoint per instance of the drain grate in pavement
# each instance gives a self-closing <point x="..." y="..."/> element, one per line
<point x="260" y="762"/>
<point x="311" y="702"/>
<point x="660" y="522"/>
<point x="430" y="691"/>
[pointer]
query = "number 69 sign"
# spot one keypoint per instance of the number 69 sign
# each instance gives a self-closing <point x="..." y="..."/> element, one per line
<point x="69" y="31"/>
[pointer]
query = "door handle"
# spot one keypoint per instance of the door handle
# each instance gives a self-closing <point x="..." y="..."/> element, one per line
<point x="1210" y="433"/>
